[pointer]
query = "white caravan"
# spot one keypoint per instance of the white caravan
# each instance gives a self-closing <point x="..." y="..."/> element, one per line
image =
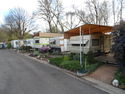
<point x="87" y="42"/>
<point x="29" y="42"/>
<point x="59" y="43"/>
<point x="40" y="42"/>
<point x="17" y="43"/>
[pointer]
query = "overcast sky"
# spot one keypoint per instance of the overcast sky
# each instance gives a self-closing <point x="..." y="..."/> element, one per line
<point x="30" y="5"/>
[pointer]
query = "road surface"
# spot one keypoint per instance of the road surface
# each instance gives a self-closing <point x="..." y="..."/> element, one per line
<point x="22" y="75"/>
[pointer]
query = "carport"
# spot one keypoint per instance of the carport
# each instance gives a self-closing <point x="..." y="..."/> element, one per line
<point x="91" y="29"/>
<point x="88" y="29"/>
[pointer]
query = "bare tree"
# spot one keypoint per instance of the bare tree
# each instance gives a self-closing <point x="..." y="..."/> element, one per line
<point x="71" y="20"/>
<point x="19" y="22"/>
<point x="104" y="13"/>
<point x="95" y="12"/>
<point x="117" y="10"/>
<point x="114" y="11"/>
<point x="58" y="15"/>
<point x="45" y="12"/>
<point x="121" y="2"/>
<point x="51" y="11"/>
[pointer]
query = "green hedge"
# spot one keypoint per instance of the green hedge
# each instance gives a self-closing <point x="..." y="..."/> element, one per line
<point x="56" y="61"/>
<point x="71" y="65"/>
<point x="25" y="48"/>
<point x="120" y="77"/>
<point x="93" y="67"/>
<point x="67" y="62"/>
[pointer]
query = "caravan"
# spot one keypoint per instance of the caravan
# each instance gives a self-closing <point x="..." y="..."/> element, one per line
<point x="59" y="44"/>
<point x="40" y="42"/>
<point x="29" y="42"/>
<point x="89" y="37"/>
<point x="17" y="43"/>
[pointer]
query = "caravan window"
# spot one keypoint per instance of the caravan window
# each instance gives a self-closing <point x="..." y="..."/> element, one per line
<point x="36" y="41"/>
<point x="78" y="44"/>
<point x="85" y="42"/>
<point x="95" y="42"/>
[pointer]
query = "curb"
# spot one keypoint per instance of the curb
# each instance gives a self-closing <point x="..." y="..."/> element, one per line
<point x="105" y="87"/>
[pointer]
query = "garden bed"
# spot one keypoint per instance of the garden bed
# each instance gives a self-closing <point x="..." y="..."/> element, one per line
<point x="73" y="64"/>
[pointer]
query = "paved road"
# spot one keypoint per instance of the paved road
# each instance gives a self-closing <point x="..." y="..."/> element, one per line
<point x="21" y="75"/>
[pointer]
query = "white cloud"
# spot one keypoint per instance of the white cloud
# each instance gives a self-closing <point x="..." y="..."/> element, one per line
<point x="68" y="4"/>
<point x="5" y="5"/>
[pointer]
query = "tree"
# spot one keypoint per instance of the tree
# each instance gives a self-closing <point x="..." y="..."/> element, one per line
<point x="121" y="8"/>
<point x="18" y="22"/>
<point x="119" y="44"/>
<point x="58" y="15"/>
<point x="117" y="10"/>
<point x="3" y="36"/>
<point x="71" y="20"/>
<point x="114" y="11"/>
<point x="51" y="11"/>
<point x="97" y="12"/>
<point x="45" y="12"/>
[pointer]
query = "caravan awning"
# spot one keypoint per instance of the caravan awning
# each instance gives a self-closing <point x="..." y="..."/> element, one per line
<point x="88" y="29"/>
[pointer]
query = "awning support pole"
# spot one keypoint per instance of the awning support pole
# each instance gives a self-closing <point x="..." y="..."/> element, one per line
<point x="80" y="47"/>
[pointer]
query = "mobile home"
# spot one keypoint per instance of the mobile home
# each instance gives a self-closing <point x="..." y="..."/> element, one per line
<point x="40" y="42"/>
<point x="29" y="42"/>
<point x="17" y="43"/>
<point x="55" y="40"/>
<point x="90" y="37"/>
<point x="59" y="43"/>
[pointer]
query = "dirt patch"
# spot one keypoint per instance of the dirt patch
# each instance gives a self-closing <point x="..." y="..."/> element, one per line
<point x="104" y="73"/>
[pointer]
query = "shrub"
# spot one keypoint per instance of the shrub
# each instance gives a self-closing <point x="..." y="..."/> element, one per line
<point x="9" y="45"/>
<point x="93" y="67"/>
<point x="25" y="48"/>
<point x="71" y="65"/>
<point x="90" y="58"/>
<point x="56" y="61"/>
<point x="76" y="56"/>
<point x="22" y="48"/>
<point x="71" y="55"/>
<point x="36" y="53"/>
<point x="66" y="57"/>
<point x="28" y="48"/>
<point x="120" y="77"/>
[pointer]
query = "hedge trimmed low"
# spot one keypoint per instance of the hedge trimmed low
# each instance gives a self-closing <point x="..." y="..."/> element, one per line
<point x="71" y="65"/>
<point x="56" y="61"/>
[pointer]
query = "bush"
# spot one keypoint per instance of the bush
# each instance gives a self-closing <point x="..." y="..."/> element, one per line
<point x="28" y="48"/>
<point x="71" y="55"/>
<point x="93" y="67"/>
<point x="71" y="65"/>
<point x="90" y="58"/>
<point x="56" y="61"/>
<point x="71" y="62"/>
<point x="9" y="45"/>
<point x="120" y="77"/>
<point x="66" y="57"/>
<point x="76" y="56"/>
<point x="25" y="48"/>
<point x="36" y="53"/>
